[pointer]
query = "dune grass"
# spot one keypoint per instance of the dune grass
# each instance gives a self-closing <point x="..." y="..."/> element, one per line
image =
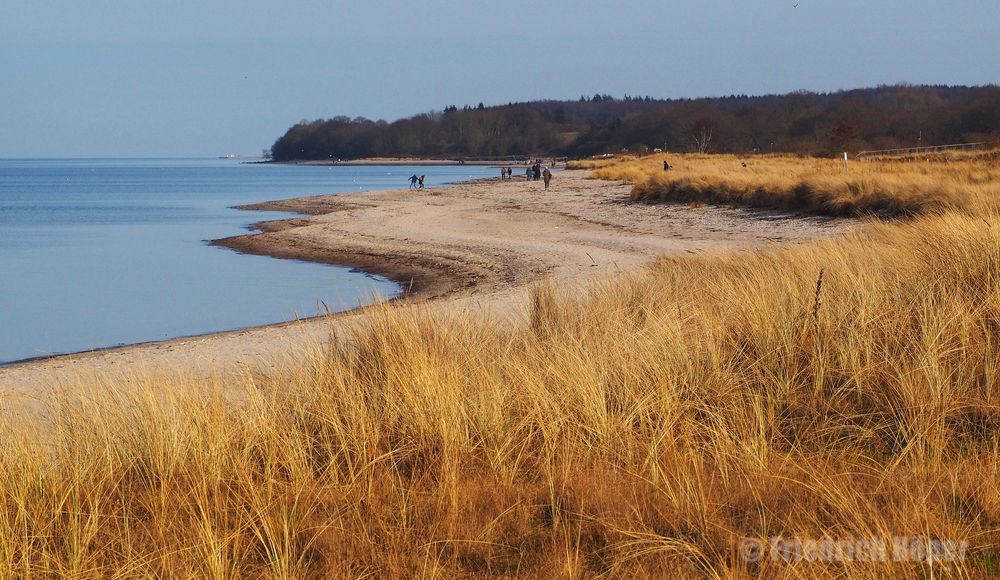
<point x="886" y="187"/>
<point x="640" y="428"/>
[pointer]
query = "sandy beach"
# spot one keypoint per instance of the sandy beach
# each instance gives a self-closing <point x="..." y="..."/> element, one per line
<point x="478" y="247"/>
<point x="408" y="161"/>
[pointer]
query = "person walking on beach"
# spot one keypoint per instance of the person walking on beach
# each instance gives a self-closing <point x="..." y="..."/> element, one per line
<point x="421" y="181"/>
<point x="413" y="181"/>
<point x="527" y="173"/>
<point x="546" y="177"/>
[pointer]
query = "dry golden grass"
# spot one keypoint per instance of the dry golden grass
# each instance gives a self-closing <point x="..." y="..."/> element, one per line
<point x="966" y="181"/>
<point x="844" y="389"/>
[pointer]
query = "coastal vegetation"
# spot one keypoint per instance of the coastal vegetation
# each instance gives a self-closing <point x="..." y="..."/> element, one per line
<point x="650" y="425"/>
<point x="880" y="186"/>
<point x="799" y="122"/>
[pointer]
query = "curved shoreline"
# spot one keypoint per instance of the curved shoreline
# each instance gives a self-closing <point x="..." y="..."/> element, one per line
<point x="478" y="245"/>
<point x="414" y="282"/>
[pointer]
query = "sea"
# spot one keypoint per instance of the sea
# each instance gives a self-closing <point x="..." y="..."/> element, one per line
<point x="98" y="253"/>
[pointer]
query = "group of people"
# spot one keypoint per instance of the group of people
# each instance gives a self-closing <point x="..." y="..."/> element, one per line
<point x="535" y="172"/>
<point x="532" y="172"/>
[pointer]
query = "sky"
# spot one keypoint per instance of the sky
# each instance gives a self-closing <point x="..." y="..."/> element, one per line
<point x="186" y="78"/>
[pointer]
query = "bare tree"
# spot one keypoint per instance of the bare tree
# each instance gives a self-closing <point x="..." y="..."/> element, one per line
<point x="702" y="132"/>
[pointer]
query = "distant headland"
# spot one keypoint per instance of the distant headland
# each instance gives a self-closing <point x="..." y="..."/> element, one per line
<point x="800" y="122"/>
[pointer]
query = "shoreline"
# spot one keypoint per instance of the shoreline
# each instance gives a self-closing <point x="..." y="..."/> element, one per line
<point x="477" y="246"/>
<point x="405" y="294"/>
<point x="398" y="161"/>
<point x="414" y="283"/>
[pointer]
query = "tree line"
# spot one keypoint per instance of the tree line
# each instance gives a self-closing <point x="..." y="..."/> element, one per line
<point x="805" y="122"/>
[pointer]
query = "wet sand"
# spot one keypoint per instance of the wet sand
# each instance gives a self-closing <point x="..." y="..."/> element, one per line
<point x="478" y="247"/>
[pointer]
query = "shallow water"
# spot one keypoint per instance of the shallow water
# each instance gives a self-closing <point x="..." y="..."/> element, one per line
<point x="97" y="253"/>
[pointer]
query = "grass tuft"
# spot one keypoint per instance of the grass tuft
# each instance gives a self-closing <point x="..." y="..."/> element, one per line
<point x="963" y="181"/>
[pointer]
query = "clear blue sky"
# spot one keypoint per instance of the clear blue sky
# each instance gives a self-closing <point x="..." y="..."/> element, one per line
<point x="121" y="77"/>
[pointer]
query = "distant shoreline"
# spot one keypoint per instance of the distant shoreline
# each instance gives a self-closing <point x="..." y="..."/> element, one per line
<point x="406" y="161"/>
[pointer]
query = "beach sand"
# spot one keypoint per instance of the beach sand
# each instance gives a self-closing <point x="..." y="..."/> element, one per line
<point x="478" y="247"/>
<point x="408" y="161"/>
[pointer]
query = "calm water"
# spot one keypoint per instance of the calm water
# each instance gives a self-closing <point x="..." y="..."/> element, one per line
<point x="98" y="253"/>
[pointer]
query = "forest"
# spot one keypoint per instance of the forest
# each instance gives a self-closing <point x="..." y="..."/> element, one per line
<point x="801" y="122"/>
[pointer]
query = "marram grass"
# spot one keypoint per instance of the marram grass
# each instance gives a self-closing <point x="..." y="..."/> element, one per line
<point x="641" y="428"/>
<point x="885" y="187"/>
